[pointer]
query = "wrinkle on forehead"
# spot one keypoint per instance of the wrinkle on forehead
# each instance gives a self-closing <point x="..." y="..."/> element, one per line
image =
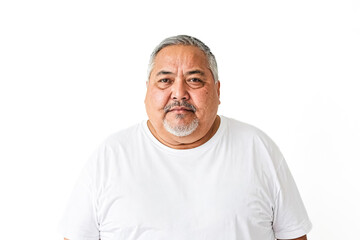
<point x="178" y="57"/>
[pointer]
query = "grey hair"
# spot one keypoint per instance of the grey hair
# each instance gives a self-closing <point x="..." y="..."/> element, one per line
<point x="187" y="41"/>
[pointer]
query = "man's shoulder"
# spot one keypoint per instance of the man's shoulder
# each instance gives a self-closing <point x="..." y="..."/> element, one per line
<point x="238" y="127"/>
<point x="253" y="139"/>
<point x="125" y="136"/>
<point x="247" y="132"/>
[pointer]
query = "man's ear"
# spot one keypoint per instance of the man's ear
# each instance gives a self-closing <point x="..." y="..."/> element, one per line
<point x="218" y="89"/>
<point x="147" y="86"/>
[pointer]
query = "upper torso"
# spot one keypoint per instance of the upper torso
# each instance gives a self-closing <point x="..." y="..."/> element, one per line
<point x="224" y="189"/>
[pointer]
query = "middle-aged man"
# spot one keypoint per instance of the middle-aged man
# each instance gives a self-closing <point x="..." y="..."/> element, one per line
<point x="186" y="173"/>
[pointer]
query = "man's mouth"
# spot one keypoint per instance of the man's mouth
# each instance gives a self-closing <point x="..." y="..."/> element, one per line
<point x="180" y="109"/>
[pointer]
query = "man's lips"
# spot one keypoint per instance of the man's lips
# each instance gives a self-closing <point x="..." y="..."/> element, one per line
<point x="180" y="109"/>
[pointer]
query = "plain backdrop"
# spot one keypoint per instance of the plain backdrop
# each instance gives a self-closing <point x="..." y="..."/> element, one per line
<point x="74" y="72"/>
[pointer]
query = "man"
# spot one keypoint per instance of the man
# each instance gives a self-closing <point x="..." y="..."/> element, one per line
<point x="186" y="173"/>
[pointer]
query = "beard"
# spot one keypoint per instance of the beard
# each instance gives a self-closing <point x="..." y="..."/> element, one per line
<point x="181" y="130"/>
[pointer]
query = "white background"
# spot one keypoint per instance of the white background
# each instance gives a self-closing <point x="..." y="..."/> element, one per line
<point x="73" y="72"/>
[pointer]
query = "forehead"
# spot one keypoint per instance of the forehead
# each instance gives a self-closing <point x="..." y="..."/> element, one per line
<point x="180" y="56"/>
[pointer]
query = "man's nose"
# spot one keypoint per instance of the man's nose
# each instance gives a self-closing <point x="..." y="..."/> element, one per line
<point x="179" y="90"/>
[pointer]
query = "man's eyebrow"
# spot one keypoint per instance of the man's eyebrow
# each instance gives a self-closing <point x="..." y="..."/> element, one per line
<point x="195" y="72"/>
<point x="163" y="73"/>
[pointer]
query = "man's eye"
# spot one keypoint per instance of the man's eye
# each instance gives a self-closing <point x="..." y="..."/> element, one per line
<point x="164" y="80"/>
<point x="195" y="80"/>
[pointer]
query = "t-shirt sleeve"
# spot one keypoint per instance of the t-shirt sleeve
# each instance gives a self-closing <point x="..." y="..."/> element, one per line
<point x="79" y="221"/>
<point x="290" y="216"/>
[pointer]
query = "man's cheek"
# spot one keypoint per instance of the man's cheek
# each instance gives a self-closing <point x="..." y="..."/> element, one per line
<point x="160" y="100"/>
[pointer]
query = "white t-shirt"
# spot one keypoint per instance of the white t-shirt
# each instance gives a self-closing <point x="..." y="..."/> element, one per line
<point x="236" y="186"/>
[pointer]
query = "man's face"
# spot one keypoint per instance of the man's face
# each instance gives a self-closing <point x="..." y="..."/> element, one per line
<point x="182" y="98"/>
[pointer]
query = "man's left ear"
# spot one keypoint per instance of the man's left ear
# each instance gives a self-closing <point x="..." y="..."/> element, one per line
<point x="218" y="90"/>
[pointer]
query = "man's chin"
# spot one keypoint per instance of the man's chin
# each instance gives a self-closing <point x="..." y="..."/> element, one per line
<point x="181" y="127"/>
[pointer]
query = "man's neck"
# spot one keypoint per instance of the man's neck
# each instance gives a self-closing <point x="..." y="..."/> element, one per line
<point x="178" y="143"/>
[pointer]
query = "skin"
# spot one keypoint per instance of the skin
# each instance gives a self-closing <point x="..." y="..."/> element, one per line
<point x="181" y="73"/>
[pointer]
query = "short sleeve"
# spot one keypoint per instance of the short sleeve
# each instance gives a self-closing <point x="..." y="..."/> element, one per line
<point x="79" y="221"/>
<point x="290" y="216"/>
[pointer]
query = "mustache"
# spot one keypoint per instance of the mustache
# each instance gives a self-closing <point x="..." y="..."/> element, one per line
<point x="167" y="108"/>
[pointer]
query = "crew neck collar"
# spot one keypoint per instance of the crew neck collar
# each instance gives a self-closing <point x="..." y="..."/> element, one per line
<point x="200" y="148"/>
